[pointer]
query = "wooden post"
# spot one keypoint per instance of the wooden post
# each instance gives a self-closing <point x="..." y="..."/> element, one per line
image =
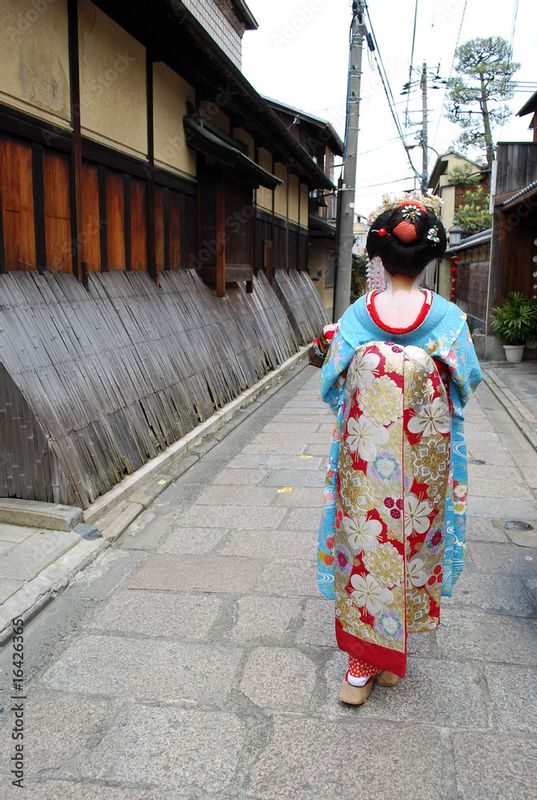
<point x="79" y="265"/>
<point x="220" y="237"/>
<point x="250" y="283"/>
<point x="267" y="260"/>
<point x="150" y="204"/>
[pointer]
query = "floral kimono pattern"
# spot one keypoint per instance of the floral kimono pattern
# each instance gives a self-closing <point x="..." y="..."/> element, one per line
<point x="392" y="533"/>
<point x="391" y="489"/>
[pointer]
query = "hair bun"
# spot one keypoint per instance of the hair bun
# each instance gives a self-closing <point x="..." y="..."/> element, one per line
<point x="405" y="231"/>
<point x="412" y="204"/>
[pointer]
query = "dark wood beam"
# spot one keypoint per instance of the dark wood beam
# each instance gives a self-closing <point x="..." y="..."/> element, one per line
<point x="39" y="207"/>
<point x="220" y="237"/>
<point x="76" y="151"/>
<point x="150" y="205"/>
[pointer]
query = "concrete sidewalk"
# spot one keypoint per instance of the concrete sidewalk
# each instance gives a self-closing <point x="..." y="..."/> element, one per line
<point x="515" y="386"/>
<point x="196" y="659"/>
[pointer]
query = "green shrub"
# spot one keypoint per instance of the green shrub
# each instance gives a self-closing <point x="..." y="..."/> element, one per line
<point x="516" y="320"/>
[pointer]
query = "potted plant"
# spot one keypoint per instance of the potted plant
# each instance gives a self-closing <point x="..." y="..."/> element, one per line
<point x="515" y="322"/>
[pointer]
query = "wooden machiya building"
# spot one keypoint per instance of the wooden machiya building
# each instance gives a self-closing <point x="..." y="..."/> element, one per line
<point x="513" y="260"/>
<point x="154" y="234"/>
<point x="319" y="138"/>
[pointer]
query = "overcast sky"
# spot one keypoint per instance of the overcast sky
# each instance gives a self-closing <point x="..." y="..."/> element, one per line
<point x="299" y="56"/>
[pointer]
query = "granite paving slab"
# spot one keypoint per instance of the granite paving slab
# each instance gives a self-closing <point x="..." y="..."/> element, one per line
<point x="177" y="749"/>
<point x="162" y="614"/>
<point x="145" y="669"/>
<point x="495" y="766"/>
<point x="309" y="758"/>
<point x="206" y="573"/>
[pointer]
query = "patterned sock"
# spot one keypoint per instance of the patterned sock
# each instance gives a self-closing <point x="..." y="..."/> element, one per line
<point x="359" y="672"/>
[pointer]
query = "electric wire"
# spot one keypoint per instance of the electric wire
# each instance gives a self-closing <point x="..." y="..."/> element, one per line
<point x="387" y="89"/>
<point x="513" y="28"/>
<point x="450" y="71"/>
<point x="411" y="67"/>
<point x="384" y="183"/>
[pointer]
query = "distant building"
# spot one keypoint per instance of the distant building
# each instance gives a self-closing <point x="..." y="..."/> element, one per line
<point x="470" y="264"/>
<point x="453" y="195"/>
<point x="511" y="244"/>
<point x="360" y="229"/>
<point x="530" y="108"/>
<point x="513" y="264"/>
<point x="319" y="138"/>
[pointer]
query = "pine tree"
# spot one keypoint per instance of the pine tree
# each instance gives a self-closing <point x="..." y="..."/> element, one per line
<point x="484" y="78"/>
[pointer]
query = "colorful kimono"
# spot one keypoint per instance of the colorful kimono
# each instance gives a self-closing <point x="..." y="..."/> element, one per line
<point x="393" y="523"/>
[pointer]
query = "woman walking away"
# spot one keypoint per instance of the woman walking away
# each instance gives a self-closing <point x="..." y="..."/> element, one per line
<point x="398" y="370"/>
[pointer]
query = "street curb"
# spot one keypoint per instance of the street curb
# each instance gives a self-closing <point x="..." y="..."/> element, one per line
<point x="36" y="514"/>
<point x="516" y="410"/>
<point x="114" y="511"/>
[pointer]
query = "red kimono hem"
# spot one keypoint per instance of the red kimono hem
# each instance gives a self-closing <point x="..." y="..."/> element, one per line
<point x="374" y="654"/>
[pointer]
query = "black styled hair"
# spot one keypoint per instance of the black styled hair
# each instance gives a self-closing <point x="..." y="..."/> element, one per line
<point x="403" y="257"/>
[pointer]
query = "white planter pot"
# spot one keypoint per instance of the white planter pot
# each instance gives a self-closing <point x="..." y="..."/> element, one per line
<point x="514" y="353"/>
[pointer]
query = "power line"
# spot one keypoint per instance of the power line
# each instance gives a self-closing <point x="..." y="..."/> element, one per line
<point x="380" y="147"/>
<point x="411" y="60"/>
<point x="450" y="70"/>
<point x="513" y="28"/>
<point x="387" y="181"/>
<point x="387" y="90"/>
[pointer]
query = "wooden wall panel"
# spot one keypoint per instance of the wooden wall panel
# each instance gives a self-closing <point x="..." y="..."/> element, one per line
<point x="239" y="222"/>
<point x="292" y="258"/>
<point x="57" y="213"/>
<point x="17" y="205"/>
<point x="174" y="259"/>
<point x="279" y="246"/>
<point x="159" y="228"/>
<point x="115" y="220"/>
<point x="188" y="238"/>
<point x="303" y="250"/>
<point x="90" y="217"/>
<point x="138" y="225"/>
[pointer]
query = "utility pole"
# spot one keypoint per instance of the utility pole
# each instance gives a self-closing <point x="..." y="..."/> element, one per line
<point x="424" y="142"/>
<point x="347" y="184"/>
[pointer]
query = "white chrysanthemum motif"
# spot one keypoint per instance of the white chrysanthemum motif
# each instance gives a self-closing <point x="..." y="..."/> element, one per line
<point x="364" y="437"/>
<point x="365" y="368"/>
<point x="431" y="418"/>
<point x="417" y="515"/>
<point x="416" y="572"/>
<point x="361" y="532"/>
<point x="369" y="593"/>
<point x="417" y="354"/>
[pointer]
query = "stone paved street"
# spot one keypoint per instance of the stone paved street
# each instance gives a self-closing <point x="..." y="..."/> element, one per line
<point x="197" y="659"/>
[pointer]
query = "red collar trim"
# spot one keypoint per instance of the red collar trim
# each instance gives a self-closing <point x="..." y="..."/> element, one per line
<point x="427" y="302"/>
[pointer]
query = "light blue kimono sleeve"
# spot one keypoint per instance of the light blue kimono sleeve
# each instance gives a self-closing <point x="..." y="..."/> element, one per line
<point x="338" y="358"/>
<point x="466" y="372"/>
<point x="333" y="373"/>
<point x="465" y="377"/>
